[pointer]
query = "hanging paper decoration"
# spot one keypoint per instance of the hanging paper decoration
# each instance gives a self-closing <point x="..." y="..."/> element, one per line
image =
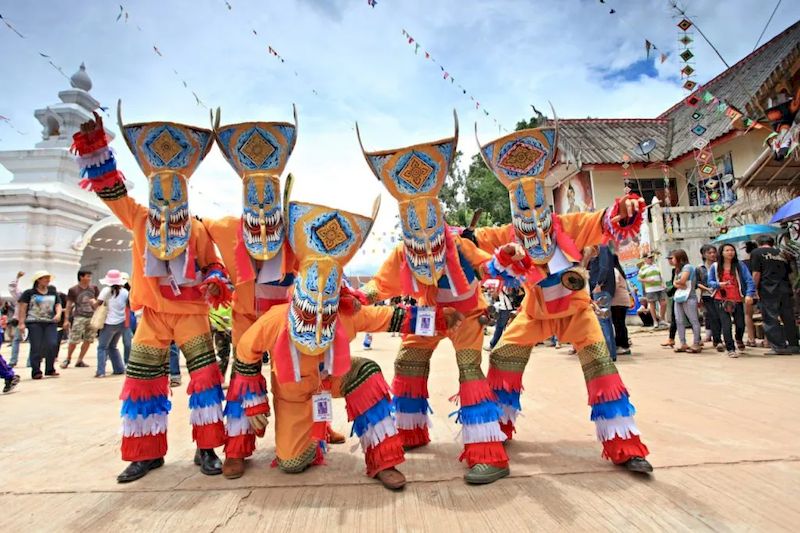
<point x="10" y="27"/>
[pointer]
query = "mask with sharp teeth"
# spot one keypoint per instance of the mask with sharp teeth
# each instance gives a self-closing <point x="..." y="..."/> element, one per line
<point x="259" y="152"/>
<point x="168" y="154"/>
<point x="414" y="176"/>
<point x="521" y="161"/>
<point x="324" y="240"/>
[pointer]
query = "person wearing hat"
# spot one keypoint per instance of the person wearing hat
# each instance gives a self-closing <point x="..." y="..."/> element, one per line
<point x="39" y="313"/>
<point x="115" y="297"/>
<point x="81" y="301"/>
<point x="130" y="324"/>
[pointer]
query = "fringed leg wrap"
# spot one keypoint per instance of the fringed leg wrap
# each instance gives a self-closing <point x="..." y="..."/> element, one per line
<point x="506" y="366"/>
<point x="247" y="394"/>
<point x="612" y="411"/>
<point x="205" y="393"/>
<point x="410" y="389"/>
<point x="367" y="399"/>
<point x="144" y="418"/>
<point x="479" y="414"/>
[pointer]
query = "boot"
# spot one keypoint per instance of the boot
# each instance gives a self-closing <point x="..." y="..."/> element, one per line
<point x="139" y="469"/>
<point x="208" y="462"/>
<point x="391" y="478"/>
<point x="233" y="468"/>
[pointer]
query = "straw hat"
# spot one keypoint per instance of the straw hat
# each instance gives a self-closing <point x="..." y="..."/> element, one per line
<point x="40" y="274"/>
<point x="113" y="277"/>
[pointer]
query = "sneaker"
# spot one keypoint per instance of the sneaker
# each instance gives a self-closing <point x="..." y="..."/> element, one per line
<point x="623" y="351"/>
<point x="10" y="384"/>
<point x="487" y="348"/>
<point x="65" y="364"/>
<point x="733" y="354"/>
<point x="482" y="474"/>
<point x="175" y="381"/>
<point x="720" y="348"/>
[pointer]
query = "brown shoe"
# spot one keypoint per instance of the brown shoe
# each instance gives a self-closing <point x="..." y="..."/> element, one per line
<point x="233" y="468"/>
<point x="334" y="437"/>
<point x="668" y="344"/>
<point x="391" y="478"/>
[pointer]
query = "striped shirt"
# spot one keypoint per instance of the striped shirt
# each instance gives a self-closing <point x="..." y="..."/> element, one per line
<point x="650" y="278"/>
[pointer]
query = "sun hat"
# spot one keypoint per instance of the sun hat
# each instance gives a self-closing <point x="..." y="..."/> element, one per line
<point x="40" y="274"/>
<point x="125" y="276"/>
<point x="113" y="277"/>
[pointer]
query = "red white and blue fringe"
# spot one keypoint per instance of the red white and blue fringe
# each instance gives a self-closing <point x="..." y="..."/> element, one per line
<point x="205" y="407"/>
<point x="96" y="160"/>
<point x="411" y="407"/>
<point x="246" y="395"/>
<point x="371" y="413"/>
<point x="145" y="408"/>
<point x="612" y="413"/>
<point x="479" y="416"/>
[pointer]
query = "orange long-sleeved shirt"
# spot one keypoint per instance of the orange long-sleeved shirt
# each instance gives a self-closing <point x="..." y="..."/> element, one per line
<point x="225" y="234"/>
<point x="585" y="229"/>
<point x="145" y="290"/>
<point x="262" y="335"/>
<point x="388" y="283"/>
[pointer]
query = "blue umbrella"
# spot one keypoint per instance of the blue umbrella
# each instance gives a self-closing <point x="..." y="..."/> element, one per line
<point x="746" y="232"/>
<point x="788" y="212"/>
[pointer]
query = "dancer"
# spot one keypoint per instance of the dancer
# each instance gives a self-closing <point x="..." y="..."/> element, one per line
<point x="253" y="246"/>
<point x="438" y="268"/>
<point x="556" y="302"/>
<point x="176" y="273"/>
<point x="309" y="341"/>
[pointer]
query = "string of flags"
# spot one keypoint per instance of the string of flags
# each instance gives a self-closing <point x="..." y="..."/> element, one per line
<point x="649" y="46"/>
<point x="123" y="16"/>
<point x="272" y="51"/>
<point x="448" y="76"/>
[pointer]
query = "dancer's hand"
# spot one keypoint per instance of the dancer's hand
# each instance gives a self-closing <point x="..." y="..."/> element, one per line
<point x="259" y="423"/>
<point x="452" y="318"/>
<point x="92" y="125"/>
<point x="515" y="250"/>
<point x="213" y="290"/>
<point x="629" y="206"/>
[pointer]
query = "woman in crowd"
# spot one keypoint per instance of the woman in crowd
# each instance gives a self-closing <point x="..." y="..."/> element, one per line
<point x="735" y="287"/>
<point x="39" y="313"/>
<point x="685" y="308"/>
<point x="115" y="297"/>
<point x="620" y="303"/>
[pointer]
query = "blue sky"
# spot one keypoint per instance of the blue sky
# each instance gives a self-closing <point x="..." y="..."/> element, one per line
<point x="508" y="53"/>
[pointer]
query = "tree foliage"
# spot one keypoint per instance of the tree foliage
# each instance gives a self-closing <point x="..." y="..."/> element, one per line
<point x="466" y="191"/>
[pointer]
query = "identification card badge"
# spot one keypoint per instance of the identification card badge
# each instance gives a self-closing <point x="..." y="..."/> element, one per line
<point x="426" y="321"/>
<point x="323" y="407"/>
<point x="173" y="284"/>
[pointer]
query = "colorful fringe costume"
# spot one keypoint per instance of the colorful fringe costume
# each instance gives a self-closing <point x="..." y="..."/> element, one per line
<point x="438" y="268"/>
<point x="174" y="262"/>
<point x="253" y="246"/>
<point x="556" y="302"/>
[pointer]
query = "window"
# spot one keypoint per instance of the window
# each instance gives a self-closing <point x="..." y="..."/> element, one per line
<point x="723" y="183"/>
<point x="650" y="188"/>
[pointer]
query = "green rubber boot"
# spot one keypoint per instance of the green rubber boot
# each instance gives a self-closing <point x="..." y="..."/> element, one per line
<point x="482" y="474"/>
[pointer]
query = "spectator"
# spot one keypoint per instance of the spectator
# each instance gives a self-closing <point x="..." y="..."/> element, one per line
<point x="81" y="301"/>
<point x="685" y="278"/>
<point x="39" y="313"/>
<point x="620" y="303"/>
<point x="644" y="313"/>
<point x="115" y="297"/>
<point x="504" y="307"/>
<point x="603" y="286"/>
<point x="13" y="289"/>
<point x="130" y="329"/>
<point x="734" y="284"/>
<point x="8" y="376"/>
<point x="62" y="332"/>
<point x="368" y="341"/>
<point x="749" y="309"/>
<point x="673" y="325"/>
<point x="707" y="296"/>
<point x="771" y="275"/>
<point x="174" y="365"/>
<point x="654" y="290"/>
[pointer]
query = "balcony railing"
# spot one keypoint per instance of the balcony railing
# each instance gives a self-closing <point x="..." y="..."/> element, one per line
<point x="683" y="222"/>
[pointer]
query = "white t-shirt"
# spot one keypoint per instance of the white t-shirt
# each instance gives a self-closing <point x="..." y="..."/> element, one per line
<point x="116" y="305"/>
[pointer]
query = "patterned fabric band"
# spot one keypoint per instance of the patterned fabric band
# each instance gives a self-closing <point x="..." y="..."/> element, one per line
<point x="310" y="456"/>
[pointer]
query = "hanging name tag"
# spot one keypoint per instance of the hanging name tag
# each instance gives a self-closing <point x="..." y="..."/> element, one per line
<point x="173" y="284"/>
<point x="426" y="321"/>
<point x="323" y="407"/>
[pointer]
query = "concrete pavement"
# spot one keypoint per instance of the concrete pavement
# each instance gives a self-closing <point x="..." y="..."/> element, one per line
<point x="723" y="434"/>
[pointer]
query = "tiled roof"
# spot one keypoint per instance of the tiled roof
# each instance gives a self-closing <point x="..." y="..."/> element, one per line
<point x="596" y="141"/>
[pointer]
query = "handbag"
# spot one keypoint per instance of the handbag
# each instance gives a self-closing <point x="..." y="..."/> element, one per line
<point x="99" y="316"/>
<point x="681" y="295"/>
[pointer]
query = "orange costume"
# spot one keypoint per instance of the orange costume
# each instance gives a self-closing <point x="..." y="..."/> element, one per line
<point x="438" y="268"/>
<point x="556" y="302"/>
<point x="173" y="264"/>
<point x="309" y="341"/>
<point x="253" y="246"/>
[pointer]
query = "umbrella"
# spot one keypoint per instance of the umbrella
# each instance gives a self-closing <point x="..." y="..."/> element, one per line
<point x="788" y="212"/>
<point x="746" y="232"/>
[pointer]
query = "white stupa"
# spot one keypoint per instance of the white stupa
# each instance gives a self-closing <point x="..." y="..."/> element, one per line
<point x="47" y="221"/>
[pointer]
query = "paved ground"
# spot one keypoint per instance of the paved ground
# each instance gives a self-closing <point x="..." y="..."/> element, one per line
<point x="723" y="435"/>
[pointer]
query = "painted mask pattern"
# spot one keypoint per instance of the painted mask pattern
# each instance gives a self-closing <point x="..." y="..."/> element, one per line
<point x="324" y="240"/>
<point x="168" y="154"/>
<point x="259" y="152"/>
<point x="414" y="176"/>
<point x="521" y="161"/>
